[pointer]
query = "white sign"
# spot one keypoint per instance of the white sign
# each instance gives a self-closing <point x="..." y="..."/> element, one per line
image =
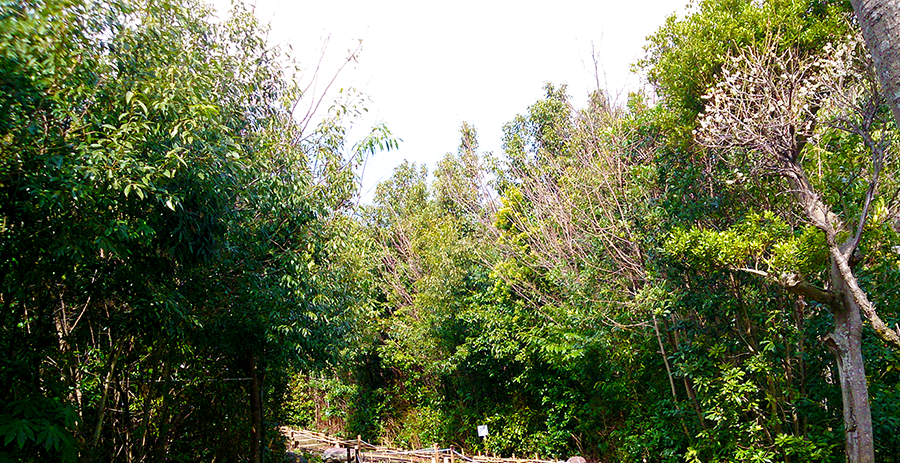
<point x="482" y="430"/>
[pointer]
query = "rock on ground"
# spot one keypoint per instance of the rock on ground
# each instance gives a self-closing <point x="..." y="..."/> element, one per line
<point x="337" y="455"/>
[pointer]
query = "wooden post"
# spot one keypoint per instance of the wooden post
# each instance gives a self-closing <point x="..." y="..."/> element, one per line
<point x="434" y="455"/>
<point x="452" y="455"/>
<point x="358" y="444"/>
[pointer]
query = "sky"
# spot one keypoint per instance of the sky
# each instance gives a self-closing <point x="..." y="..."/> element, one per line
<point x="427" y="67"/>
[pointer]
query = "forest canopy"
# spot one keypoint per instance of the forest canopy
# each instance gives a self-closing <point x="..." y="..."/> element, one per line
<point x="706" y="273"/>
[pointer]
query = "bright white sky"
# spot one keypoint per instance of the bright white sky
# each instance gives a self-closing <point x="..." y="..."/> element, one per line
<point x="428" y="66"/>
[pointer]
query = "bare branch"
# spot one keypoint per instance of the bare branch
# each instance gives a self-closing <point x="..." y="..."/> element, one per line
<point x="769" y="105"/>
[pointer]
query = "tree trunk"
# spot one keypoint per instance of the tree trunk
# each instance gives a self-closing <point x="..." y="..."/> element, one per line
<point x="846" y="300"/>
<point x="147" y="400"/>
<point x="162" y="441"/>
<point x="846" y="343"/>
<point x="799" y="317"/>
<point x="688" y="386"/>
<point x="880" y="24"/>
<point x="101" y="407"/>
<point x="255" y="413"/>
<point x="665" y="357"/>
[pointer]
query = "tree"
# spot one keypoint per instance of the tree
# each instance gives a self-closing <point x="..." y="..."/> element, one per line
<point x="577" y="208"/>
<point x="572" y="184"/>
<point x="169" y="231"/>
<point x="769" y="106"/>
<point x="729" y="185"/>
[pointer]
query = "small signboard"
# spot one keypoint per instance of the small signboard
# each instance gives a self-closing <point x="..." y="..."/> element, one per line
<point x="482" y="430"/>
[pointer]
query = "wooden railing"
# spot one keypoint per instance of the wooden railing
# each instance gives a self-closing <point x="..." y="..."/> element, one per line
<point x="311" y="441"/>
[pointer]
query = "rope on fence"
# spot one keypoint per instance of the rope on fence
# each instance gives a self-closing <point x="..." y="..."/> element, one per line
<point x="464" y="457"/>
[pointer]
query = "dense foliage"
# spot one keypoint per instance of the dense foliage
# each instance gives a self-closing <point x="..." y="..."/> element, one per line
<point x="618" y="285"/>
<point x="184" y="270"/>
<point x="169" y="232"/>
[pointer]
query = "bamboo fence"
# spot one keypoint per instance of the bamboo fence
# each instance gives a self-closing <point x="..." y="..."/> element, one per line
<point x="312" y="441"/>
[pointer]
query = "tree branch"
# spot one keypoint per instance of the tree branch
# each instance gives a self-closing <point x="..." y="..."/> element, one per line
<point x="884" y="332"/>
<point x="794" y="283"/>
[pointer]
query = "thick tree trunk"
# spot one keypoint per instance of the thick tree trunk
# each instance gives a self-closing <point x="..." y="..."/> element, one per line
<point x="846" y="300"/>
<point x="880" y="24"/>
<point x="846" y="343"/>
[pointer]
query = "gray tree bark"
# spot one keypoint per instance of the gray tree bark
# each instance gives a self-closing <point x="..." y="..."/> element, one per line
<point x="880" y="24"/>
<point x="846" y="344"/>
<point x="847" y="302"/>
<point x="778" y="139"/>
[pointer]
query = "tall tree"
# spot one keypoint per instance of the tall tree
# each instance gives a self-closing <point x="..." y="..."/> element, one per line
<point x="805" y="119"/>
<point x="763" y="114"/>
<point x="167" y="230"/>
